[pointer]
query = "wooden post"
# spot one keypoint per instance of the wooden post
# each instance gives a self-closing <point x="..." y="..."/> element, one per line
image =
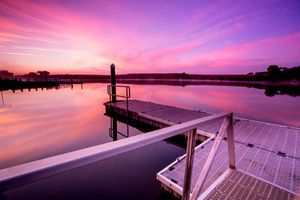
<point x="191" y="143"/>
<point x="113" y="83"/>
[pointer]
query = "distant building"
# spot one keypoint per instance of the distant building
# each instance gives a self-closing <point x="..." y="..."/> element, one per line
<point x="4" y="74"/>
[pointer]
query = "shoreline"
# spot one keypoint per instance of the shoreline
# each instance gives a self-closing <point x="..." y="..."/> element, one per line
<point x="291" y="88"/>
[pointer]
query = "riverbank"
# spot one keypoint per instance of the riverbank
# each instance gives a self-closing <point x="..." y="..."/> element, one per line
<point x="18" y="84"/>
<point x="180" y="79"/>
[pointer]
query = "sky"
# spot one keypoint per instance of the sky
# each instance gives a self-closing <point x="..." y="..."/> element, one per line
<point x="139" y="36"/>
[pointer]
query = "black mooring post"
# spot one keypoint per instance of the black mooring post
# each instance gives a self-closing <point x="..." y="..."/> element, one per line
<point x="113" y="83"/>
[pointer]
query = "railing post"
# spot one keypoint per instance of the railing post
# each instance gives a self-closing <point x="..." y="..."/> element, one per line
<point x="230" y="144"/>
<point x="210" y="158"/>
<point x="191" y="143"/>
<point x="113" y="83"/>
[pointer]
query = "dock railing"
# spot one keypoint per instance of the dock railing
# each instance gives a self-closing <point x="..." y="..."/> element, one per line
<point x="17" y="176"/>
<point x="113" y="94"/>
<point x="227" y="127"/>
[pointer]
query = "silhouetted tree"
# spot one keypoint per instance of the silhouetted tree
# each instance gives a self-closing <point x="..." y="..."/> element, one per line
<point x="273" y="69"/>
<point x="43" y="73"/>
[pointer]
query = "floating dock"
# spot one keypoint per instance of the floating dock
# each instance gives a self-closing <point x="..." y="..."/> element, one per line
<point x="267" y="155"/>
<point x="161" y="116"/>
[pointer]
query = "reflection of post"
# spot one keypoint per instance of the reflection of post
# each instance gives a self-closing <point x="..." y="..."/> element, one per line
<point x="114" y="129"/>
<point x="2" y="98"/>
<point x="113" y="83"/>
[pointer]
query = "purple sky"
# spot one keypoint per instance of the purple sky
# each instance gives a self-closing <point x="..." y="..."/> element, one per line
<point x="207" y="37"/>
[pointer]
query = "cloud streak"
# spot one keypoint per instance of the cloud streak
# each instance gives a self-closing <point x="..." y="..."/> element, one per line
<point x="199" y="37"/>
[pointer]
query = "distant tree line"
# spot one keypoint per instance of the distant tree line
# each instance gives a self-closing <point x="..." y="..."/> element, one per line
<point x="39" y="76"/>
<point x="276" y="73"/>
<point x="273" y="73"/>
<point x="16" y="84"/>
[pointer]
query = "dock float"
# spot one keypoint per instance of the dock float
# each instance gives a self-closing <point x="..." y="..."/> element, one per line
<point x="267" y="156"/>
<point x="160" y="116"/>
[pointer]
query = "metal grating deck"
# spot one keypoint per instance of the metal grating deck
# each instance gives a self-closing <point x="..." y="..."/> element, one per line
<point x="267" y="151"/>
<point x="238" y="185"/>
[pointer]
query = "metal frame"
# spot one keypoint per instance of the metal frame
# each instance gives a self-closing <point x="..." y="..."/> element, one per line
<point x="227" y="126"/>
<point x="176" y="188"/>
<point x="111" y="130"/>
<point x="190" y="149"/>
<point x="16" y="176"/>
<point x="127" y="96"/>
<point x="128" y="93"/>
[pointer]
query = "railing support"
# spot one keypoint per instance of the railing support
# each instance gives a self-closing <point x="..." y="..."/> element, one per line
<point x="230" y="144"/>
<point x="189" y="163"/>
<point x="211" y="156"/>
<point x="113" y="97"/>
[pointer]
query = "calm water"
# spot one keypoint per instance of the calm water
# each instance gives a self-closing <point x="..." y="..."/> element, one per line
<point x="38" y="124"/>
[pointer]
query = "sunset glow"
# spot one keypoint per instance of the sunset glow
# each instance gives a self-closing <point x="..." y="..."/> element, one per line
<point x="148" y="36"/>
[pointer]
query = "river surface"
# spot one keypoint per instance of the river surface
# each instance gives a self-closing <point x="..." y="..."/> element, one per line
<point x="38" y="124"/>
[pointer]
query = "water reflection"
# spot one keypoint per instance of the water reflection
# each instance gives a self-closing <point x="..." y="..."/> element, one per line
<point x="113" y="130"/>
<point x="42" y="123"/>
<point x="178" y="140"/>
<point x="242" y="101"/>
<point x="57" y="87"/>
<point x="45" y="123"/>
<point x="2" y="98"/>
<point x="271" y="89"/>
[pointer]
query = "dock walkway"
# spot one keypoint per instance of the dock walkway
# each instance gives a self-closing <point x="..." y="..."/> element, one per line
<point x="160" y="115"/>
<point x="268" y="153"/>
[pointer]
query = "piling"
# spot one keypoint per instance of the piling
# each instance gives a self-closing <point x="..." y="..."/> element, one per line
<point x="113" y="83"/>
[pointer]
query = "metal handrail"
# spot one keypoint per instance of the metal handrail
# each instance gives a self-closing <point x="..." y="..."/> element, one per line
<point x="109" y="91"/>
<point x="127" y="96"/>
<point x="16" y="176"/>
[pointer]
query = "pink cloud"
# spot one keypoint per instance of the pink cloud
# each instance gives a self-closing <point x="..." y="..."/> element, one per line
<point x="264" y="51"/>
<point x="63" y="38"/>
